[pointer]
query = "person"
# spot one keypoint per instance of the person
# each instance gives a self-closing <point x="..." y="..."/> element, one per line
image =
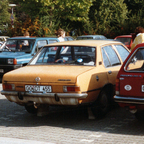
<point x="139" y="31"/>
<point x="60" y="34"/>
<point x="26" y="34"/>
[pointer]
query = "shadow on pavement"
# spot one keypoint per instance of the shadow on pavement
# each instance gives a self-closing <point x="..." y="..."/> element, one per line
<point x="117" y="120"/>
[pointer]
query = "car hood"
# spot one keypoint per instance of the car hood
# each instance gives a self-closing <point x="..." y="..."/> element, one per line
<point x="11" y="54"/>
<point x="47" y="74"/>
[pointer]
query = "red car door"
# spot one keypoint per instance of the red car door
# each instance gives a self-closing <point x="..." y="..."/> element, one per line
<point x="132" y="77"/>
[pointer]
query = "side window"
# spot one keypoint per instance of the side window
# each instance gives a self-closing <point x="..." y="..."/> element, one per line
<point x="66" y="39"/>
<point x="70" y="39"/>
<point x="136" y="62"/>
<point x="122" y="52"/>
<point x="105" y="59"/>
<point x="52" y="41"/>
<point x="41" y="43"/>
<point x="111" y="55"/>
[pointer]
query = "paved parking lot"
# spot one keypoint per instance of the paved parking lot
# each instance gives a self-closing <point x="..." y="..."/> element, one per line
<point x="67" y="126"/>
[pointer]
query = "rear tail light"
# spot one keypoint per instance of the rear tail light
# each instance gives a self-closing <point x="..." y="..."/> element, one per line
<point x="71" y="88"/>
<point x="8" y="86"/>
<point x="117" y="86"/>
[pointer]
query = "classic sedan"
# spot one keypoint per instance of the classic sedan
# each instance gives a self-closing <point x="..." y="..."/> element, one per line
<point x="69" y="73"/>
<point x="130" y="83"/>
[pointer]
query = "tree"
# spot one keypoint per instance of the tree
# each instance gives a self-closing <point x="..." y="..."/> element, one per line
<point x="136" y="13"/>
<point x="4" y="14"/>
<point x="108" y="16"/>
<point x="52" y="14"/>
<point x="134" y="6"/>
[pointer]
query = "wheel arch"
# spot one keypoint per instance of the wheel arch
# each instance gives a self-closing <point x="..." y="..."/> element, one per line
<point x="110" y="90"/>
<point x="24" y="64"/>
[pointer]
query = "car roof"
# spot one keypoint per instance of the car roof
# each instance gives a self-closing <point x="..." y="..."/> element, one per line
<point x="33" y="37"/>
<point x="4" y="36"/>
<point x="22" y="37"/>
<point x="90" y="35"/>
<point x="85" y="43"/>
<point x="127" y="36"/>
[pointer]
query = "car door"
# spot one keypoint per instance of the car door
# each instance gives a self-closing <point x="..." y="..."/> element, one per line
<point x="111" y="62"/>
<point x="132" y="80"/>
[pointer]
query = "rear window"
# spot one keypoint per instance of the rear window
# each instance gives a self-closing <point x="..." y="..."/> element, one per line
<point x="65" y="55"/>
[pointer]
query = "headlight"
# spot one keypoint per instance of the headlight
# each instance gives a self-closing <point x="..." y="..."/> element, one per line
<point x="7" y="86"/>
<point x="71" y="88"/>
<point x="12" y="61"/>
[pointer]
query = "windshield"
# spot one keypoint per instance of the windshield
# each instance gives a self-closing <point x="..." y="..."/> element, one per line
<point x="22" y="45"/>
<point x="65" y="55"/>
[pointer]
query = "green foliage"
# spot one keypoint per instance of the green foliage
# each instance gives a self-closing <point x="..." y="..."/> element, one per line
<point x="43" y="17"/>
<point x="4" y="14"/>
<point x="57" y="13"/>
<point x="108" y="16"/>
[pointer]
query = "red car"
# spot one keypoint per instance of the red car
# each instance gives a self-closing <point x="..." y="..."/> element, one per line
<point x="127" y="40"/>
<point x="130" y="82"/>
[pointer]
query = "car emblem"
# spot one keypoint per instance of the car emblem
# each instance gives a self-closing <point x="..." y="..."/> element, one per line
<point x="37" y="79"/>
<point x="127" y="87"/>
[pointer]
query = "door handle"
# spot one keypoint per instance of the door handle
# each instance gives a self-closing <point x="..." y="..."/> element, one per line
<point x="109" y="72"/>
<point x="97" y="78"/>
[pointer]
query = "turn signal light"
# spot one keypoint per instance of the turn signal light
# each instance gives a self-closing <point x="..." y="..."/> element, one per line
<point x="71" y="88"/>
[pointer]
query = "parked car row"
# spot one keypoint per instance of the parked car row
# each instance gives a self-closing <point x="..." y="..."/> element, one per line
<point x="94" y="73"/>
<point x="18" y="51"/>
<point x="69" y="73"/>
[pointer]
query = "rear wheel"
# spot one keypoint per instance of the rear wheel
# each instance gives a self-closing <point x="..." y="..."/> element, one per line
<point x="140" y="115"/>
<point x="101" y="106"/>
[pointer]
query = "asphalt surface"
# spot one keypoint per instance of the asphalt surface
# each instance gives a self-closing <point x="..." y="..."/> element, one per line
<point x="67" y="126"/>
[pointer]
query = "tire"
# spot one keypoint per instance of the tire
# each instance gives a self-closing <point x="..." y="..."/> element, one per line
<point x="31" y="109"/>
<point x="101" y="106"/>
<point x="140" y="115"/>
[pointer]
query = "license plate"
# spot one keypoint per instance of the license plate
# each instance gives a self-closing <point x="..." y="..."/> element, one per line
<point x="37" y="88"/>
<point x="142" y="88"/>
<point x="1" y="71"/>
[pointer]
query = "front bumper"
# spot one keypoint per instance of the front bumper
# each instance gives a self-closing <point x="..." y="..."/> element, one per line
<point x="130" y="100"/>
<point x="49" y="98"/>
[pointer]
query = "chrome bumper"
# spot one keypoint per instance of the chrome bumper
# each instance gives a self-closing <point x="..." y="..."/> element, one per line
<point x="47" y="98"/>
<point x="50" y="95"/>
<point x="131" y="100"/>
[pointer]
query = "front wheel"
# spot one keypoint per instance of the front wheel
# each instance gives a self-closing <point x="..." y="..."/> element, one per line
<point x="101" y="106"/>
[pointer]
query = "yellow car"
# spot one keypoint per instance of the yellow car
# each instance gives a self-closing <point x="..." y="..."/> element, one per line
<point x="70" y="73"/>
